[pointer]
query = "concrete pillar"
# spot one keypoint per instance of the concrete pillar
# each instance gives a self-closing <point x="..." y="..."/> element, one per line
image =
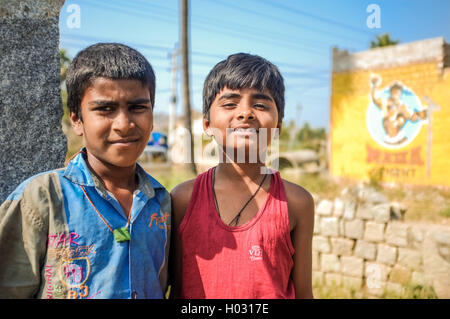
<point x="31" y="137"/>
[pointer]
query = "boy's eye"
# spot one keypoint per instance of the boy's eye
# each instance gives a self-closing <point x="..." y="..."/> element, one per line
<point x="260" y="106"/>
<point x="138" y="107"/>
<point x="229" y="105"/>
<point x="103" y="108"/>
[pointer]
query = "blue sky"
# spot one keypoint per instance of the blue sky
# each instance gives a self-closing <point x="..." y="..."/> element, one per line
<point x="296" y="35"/>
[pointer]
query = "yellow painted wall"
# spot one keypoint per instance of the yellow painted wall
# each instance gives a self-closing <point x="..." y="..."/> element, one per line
<point x="350" y="139"/>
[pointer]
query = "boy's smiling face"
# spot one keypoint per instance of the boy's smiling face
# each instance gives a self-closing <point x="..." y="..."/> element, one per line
<point x="117" y="119"/>
<point x="240" y="118"/>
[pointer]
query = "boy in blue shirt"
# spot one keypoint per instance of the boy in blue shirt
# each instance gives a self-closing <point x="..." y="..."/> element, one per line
<point x="100" y="227"/>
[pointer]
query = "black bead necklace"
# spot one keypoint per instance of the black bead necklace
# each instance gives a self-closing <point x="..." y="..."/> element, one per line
<point x="243" y="207"/>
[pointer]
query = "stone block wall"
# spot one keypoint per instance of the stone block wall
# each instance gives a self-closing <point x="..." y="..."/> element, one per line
<point x="361" y="242"/>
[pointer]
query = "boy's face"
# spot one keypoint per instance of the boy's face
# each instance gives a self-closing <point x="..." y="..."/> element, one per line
<point x="242" y="118"/>
<point x="117" y="119"/>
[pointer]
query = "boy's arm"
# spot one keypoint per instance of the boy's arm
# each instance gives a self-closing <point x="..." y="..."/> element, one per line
<point x="301" y="218"/>
<point x="181" y="196"/>
<point x="23" y="241"/>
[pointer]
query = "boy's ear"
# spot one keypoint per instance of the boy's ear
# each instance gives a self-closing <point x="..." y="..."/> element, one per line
<point x="206" y="126"/>
<point x="77" y="124"/>
<point x="279" y="127"/>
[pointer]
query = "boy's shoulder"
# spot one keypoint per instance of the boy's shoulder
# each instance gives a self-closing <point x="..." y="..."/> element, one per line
<point x="181" y="195"/>
<point x="35" y="198"/>
<point x="300" y="203"/>
<point x="297" y="193"/>
<point x="47" y="180"/>
<point x="183" y="191"/>
<point x="184" y="187"/>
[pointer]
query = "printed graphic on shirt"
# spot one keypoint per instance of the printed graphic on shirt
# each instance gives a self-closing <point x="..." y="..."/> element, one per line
<point x="81" y="292"/>
<point x="62" y="240"/>
<point x="74" y="265"/>
<point x="74" y="272"/>
<point x="49" y="277"/>
<point x="256" y="253"/>
<point x="67" y="252"/>
<point x="64" y="246"/>
<point x="161" y="222"/>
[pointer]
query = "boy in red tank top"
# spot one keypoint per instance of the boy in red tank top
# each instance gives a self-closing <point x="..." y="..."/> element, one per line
<point x="240" y="230"/>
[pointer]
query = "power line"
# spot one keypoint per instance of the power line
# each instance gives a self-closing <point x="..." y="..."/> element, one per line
<point x="206" y="26"/>
<point x="196" y="53"/>
<point x="322" y="32"/>
<point x="307" y="14"/>
<point x="209" y="20"/>
<point x="87" y="38"/>
<point x="233" y="32"/>
<point x="159" y="48"/>
<point x="122" y="9"/>
<point x="239" y="27"/>
<point x="260" y="39"/>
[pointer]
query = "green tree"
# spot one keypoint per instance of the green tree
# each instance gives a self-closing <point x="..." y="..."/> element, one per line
<point x="383" y="40"/>
<point x="311" y="138"/>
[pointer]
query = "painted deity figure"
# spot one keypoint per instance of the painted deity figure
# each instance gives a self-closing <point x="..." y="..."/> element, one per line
<point x="395" y="112"/>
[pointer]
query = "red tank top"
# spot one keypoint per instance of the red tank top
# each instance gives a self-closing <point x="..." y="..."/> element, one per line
<point x="250" y="261"/>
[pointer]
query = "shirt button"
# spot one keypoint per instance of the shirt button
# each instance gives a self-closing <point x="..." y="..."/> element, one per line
<point x="134" y="295"/>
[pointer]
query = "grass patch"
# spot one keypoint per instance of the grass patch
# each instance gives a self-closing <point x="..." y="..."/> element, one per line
<point x="445" y="212"/>
<point x="424" y="203"/>
<point x="336" y="292"/>
<point x="409" y="291"/>
<point x="321" y="185"/>
<point x="171" y="177"/>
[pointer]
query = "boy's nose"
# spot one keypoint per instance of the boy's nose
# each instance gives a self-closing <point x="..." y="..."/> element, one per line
<point x="123" y="122"/>
<point x="246" y="114"/>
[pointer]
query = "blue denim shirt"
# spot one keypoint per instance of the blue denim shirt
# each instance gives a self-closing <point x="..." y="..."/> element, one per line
<point x="71" y="251"/>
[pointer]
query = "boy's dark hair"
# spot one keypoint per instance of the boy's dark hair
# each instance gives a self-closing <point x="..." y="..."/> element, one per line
<point x="108" y="60"/>
<point x="243" y="70"/>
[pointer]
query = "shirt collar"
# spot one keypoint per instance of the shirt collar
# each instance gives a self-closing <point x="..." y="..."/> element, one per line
<point x="78" y="172"/>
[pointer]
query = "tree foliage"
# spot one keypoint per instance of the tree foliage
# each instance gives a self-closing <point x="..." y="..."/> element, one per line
<point x="304" y="137"/>
<point x="308" y="133"/>
<point x="383" y="40"/>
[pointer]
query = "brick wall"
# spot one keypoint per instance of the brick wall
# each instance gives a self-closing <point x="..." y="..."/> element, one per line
<point x="361" y="242"/>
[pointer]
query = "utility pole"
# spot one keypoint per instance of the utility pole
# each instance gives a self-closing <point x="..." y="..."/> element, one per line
<point x="184" y="6"/>
<point x="294" y="130"/>
<point x="173" y="98"/>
